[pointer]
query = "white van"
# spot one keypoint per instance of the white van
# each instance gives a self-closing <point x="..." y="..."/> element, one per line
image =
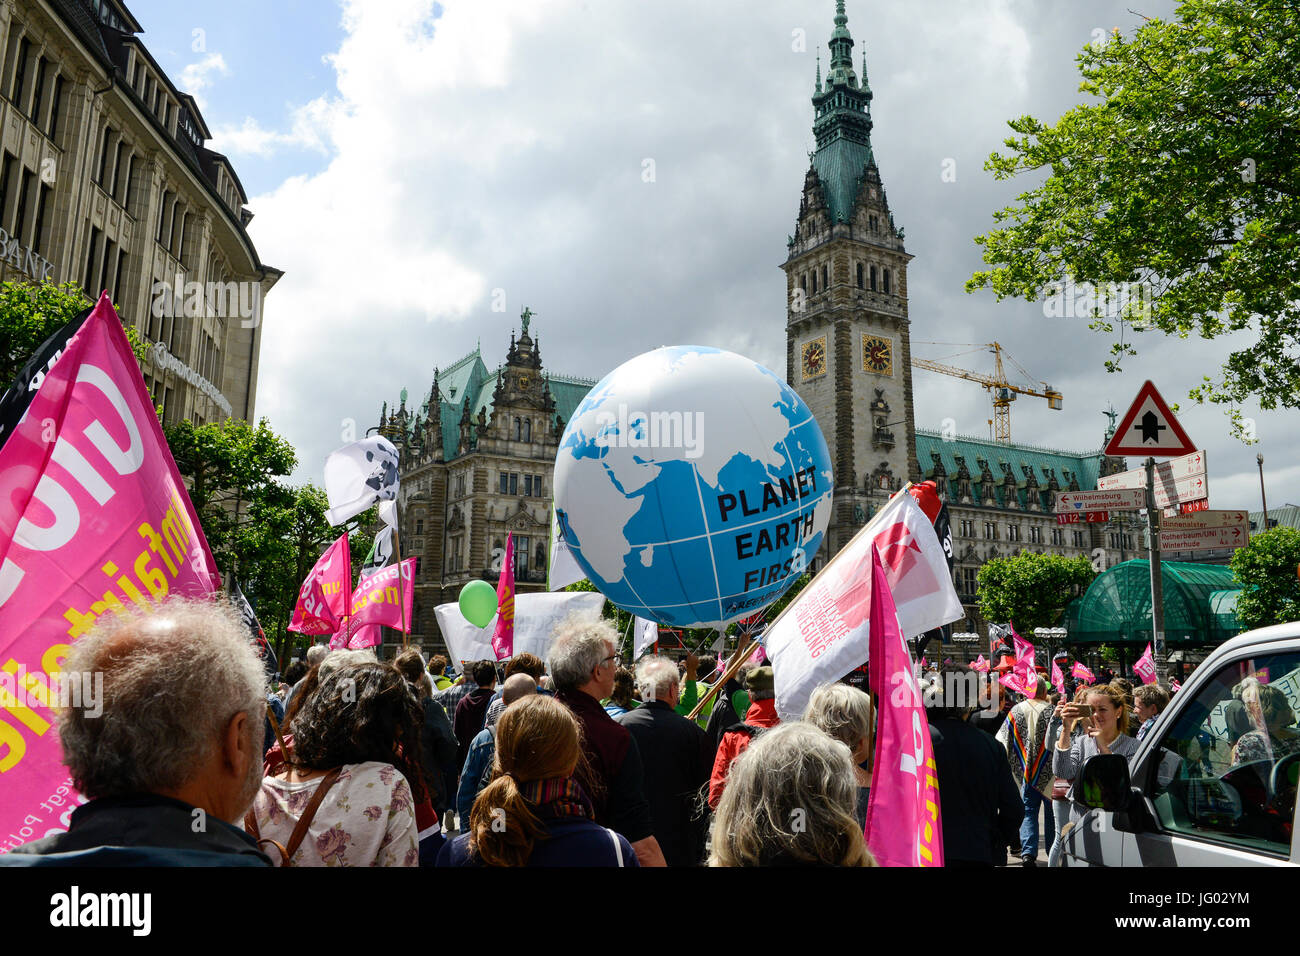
<point x="1208" y="785"/>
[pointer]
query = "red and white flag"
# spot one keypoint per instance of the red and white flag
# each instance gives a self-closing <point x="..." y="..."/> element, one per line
<point x="822" y="634"/>
<point x="94" y="517"/>
<point x="503" y="638"/>
<point x="904" y="826"/>
<point x="1145" y="668"/>
<point x="325" y="597"/>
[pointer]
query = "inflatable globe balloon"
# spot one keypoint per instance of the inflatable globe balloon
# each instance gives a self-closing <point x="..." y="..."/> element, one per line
<point x="693" y="486"/>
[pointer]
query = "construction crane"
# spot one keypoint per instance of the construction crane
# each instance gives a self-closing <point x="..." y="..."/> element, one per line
<point x="1002" y="391"/>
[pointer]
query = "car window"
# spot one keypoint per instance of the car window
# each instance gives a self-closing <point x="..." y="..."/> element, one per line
<point x="1226" y="768"/>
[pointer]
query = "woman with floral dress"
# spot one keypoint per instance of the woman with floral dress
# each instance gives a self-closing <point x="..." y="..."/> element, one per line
<point x="357" y="738"/>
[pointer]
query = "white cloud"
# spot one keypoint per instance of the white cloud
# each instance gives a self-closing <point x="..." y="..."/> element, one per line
<point x="500" y="146"/>
<point x="197" y="77"/>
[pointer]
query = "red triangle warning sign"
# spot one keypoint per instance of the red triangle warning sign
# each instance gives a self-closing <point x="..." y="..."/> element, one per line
<point x="1149" y="428"/>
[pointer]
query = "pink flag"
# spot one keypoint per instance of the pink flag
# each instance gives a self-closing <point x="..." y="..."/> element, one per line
<point x="1024" y="666"/>
<point x="980" y="664"/>
<point x="1175" y="686"/>
<point x="1145" y="668"/>
<point x="903" y="823"/>
<point x="1082" y="673"/>
<point x="924" y="663"/>
<point x="1058" y="679"/>
<point x="1014" y="681"/>
<point x="323" y="600"/>
<point x="503" y="639"/>
<point x="376" y="602"/>
<point x="93" y="516"/>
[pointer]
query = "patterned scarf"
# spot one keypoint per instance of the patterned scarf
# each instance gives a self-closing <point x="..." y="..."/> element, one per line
<point x="557" y="797"/>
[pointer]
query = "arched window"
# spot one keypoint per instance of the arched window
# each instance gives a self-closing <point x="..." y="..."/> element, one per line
<point x="873" y="278"/>
<point x="886" y="282"/>
<point x="528" y="429"/>
<point x="814" y="281"/>
<point x="826" y="276"/>
<point x="859" y="275"/>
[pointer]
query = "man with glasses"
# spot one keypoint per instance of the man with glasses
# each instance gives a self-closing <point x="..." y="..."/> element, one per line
<point x="582" y="662"/>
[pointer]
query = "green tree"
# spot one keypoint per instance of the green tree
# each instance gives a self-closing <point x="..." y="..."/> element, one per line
<point x="1267" y="570"/>
<point x="234" y="471"/>
<point x="1178" y="189"/>
<point x="1031" y="590"/>
<point x="30" y="314"/>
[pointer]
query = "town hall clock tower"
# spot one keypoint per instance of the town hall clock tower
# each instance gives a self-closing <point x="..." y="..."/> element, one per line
<point x="848" y="353"/>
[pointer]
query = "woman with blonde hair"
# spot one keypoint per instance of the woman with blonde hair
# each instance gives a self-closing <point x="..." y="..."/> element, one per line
<point x="845" y="713"/>
<point x="1104" y="717"/>
<point x="789" y="802"/>
<point x="534" y="813"/>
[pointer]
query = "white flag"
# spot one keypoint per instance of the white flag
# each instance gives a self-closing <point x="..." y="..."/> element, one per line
<point x="358" y="475"/>
<point x="823" y="632"/>
<point x="645" y="634"/>
<point x="564" y="569"/>
<point x="536" y="615"/>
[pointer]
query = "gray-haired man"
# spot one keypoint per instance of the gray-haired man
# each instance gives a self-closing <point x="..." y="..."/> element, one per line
<point x="175" y="757"/>
<point x="677" y="759"/>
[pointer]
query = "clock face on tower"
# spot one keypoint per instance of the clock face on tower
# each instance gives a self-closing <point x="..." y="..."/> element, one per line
<point x="813" y="361"/>
<point x="877" y="355"/>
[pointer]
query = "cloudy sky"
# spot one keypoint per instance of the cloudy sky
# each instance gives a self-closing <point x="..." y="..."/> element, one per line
<point x="407" y="159"/>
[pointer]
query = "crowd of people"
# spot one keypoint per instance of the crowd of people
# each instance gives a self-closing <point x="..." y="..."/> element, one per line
<point x="569" y="761"/>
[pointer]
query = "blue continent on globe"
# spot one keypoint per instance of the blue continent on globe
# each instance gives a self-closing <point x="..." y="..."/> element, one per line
<point x="693" y="486"/>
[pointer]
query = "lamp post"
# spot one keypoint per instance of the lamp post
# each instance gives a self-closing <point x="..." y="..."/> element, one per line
<point x="1259" y="458"/>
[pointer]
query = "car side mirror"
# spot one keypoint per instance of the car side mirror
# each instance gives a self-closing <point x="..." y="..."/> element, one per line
<point x="1104" y="783"/>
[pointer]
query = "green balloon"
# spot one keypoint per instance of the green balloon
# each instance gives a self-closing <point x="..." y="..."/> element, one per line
<point x="478" y="602"/>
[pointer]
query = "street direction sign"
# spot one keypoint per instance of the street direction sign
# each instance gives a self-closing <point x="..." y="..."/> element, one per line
<point x="1188" y="507"/>
<point x="1178" y="482"/>
<point x="1202" y="538"/>
<point x="1078" y="517"/>
<point x="1114" y="499"/>
<point x="1188" y="466"/>
<point x="1207" y="519"/>
<point x="1149" y="428"/>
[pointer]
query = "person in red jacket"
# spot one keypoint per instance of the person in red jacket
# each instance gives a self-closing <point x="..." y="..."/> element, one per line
<point x="760" y="716"/>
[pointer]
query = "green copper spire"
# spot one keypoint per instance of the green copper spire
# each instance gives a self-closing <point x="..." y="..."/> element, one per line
<point x="819" y="73"/>
<point x="842" y="123"/>
<point x="841" y="50"/>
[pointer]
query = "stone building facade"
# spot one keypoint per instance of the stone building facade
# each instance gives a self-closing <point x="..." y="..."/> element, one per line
<point x="477" y="459"/>
<point x="848" y="351"/>
<point x="105" y="182"/>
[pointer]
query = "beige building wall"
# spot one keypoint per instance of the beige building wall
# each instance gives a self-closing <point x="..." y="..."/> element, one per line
<point x="105" y="182"/>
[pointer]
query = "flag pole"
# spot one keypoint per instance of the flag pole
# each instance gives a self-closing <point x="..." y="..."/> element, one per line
<point x="401" y="589"/>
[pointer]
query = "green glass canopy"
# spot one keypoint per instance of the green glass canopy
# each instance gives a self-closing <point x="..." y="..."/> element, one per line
<point x="1199" y="604"/>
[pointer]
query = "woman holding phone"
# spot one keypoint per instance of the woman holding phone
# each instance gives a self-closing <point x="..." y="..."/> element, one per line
<point x="1104" y="719"/>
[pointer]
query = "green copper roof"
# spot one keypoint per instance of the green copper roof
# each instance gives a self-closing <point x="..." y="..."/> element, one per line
<point x="1117" y="605"/>
<point x="839" y="166"/>
<point x="1067" y="465"/>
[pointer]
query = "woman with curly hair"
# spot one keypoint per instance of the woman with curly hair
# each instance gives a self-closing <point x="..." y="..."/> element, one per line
<point x="534" y="813"/>
<point x="348" y="793"/>
<point x="790" y="801"/>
